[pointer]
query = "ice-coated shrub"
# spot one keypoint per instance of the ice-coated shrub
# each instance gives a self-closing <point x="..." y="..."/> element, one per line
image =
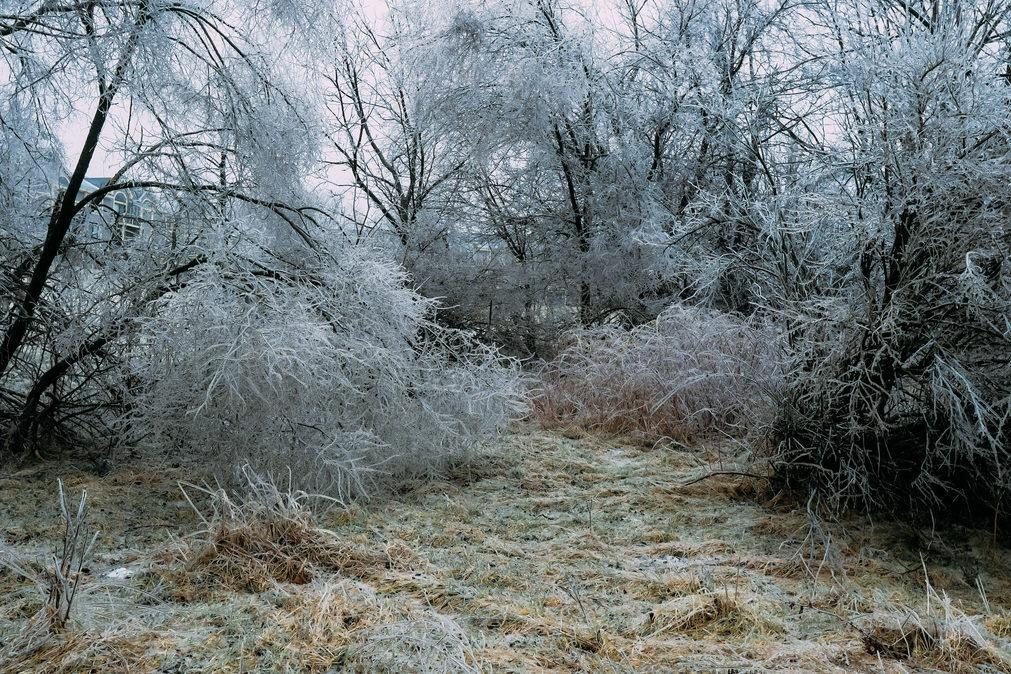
<point x="899" y="394"/>
<point x="333" y="370"/>
<point x="900" y="400"/>
<point x="688" y="374"/>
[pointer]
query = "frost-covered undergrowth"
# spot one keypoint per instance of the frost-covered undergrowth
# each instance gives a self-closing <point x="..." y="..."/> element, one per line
<point x="334" y="371"/>
<point x="553" y="555"/>
<point x="689" y="373"/>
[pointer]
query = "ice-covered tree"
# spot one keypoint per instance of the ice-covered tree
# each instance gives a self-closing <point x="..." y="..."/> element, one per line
<point x="191" y="112"/>
<point x="237" y="322"/>
<point x="901" y="390"/>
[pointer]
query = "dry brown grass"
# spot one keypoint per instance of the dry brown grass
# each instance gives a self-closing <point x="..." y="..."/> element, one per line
<point x="684" y="377"/>
<point x="711" y="615"/>
<point x="345" y="624"/>
<point x="268" y="537"/>
<point x="999" y="625"/>
<point x="940" y="635"/>
<point x="119" y="650"/>
<point x="950" y="644"/>
<point x="669" y="586"/>
<point x="559" y="555"/>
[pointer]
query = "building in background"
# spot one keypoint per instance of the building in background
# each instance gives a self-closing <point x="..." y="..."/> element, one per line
<point x="121" y="216"/>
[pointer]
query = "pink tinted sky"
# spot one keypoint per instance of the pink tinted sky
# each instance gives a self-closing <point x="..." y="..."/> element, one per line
<point x="106" y="161"/>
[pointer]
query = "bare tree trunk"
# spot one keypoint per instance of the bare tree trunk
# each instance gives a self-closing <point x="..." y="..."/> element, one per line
<point x="59" y="226"/>
<point x="66" y="207"/>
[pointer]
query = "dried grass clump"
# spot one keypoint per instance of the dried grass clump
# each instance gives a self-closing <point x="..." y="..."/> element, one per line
<point x="669" y="586"/>
<point x="942" y="637"/>
<point x="427" y="644"/>
<point x="344" y="625"/>
<point x="716" y="613"/>
<point x="270" y="536"/>
<point x="999" y="624"/>
<point x="319" y="624"/>
<point x="689" y="374"/>
<point x="957" y="646"/>
<point x="567" y="635"/>
<point x="119" y="649"/>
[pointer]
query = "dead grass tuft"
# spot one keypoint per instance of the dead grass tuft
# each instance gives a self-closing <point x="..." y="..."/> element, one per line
<point x="319" y="625"/>
<point x="943" y="637"/>
<point x="271" y="537"/>
<point x="668" y="586"/>
<point x="709" y="614"/>
<point x="116" y="650"/>
<point x="999" y="625"/>
<point x="427" y="644"/>
<point x="344" y="625"/>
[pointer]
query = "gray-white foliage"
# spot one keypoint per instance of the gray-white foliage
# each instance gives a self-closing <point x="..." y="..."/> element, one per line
<point x="334" y="371"/>
<point x="834" y="172"/>
<point x="226" y="318"/>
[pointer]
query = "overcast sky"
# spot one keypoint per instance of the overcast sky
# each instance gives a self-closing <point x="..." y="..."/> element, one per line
<point x="106" y="160"/>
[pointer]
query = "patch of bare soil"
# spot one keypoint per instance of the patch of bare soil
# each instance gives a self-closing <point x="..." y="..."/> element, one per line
<point x="551" y="554"/>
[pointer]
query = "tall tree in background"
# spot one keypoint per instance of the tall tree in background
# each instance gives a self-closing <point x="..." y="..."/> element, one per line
<point x="383" y="94"/>
<point x="194" y="116"/>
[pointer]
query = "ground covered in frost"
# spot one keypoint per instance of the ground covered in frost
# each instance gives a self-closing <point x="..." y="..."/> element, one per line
<point x="552" y="553"/>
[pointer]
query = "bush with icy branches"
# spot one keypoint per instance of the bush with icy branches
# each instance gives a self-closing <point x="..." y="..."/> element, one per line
<point x="332" y="370"/>
<point x="689" y="374"/>
<point x="900" y="384"/>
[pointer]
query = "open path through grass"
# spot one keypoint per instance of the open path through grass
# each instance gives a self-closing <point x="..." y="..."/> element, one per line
<point x="550" y="554"/>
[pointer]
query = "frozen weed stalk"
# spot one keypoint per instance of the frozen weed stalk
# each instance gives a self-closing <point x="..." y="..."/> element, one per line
<point x="59" y="579"/>
<point x="69" y="559"/>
